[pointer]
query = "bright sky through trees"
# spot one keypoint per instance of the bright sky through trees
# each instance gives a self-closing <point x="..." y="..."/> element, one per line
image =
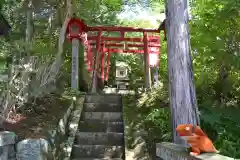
<point x="138" y="12"/>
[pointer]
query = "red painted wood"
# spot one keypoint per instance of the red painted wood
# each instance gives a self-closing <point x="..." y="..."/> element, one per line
<point x="115" y="50"/>
<point x="89" y="58"/>
<point x="151" y="45"/>
<point x="116" y="39"/>
<point x="96" y="65"/>
<point x="75" y="23"/>
<point x="145" y="43"/>
<point x="122" y="34"/>
<point x="119" y="28"/>
<point x="108" y="65"/>
<point x="134" y="51"/>
<point x="103" y="64"/>
<point x="129" y="39"/>
<point x="127" y="45"/>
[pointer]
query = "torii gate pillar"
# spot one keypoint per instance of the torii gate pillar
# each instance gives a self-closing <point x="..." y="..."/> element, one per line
<point x="96" y="63"/>
<point x="146" y="62"/>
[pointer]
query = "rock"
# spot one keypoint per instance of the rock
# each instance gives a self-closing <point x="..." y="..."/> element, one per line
<point x="138" y="141"/>
<point x="140" y="150"/>
<point x="33" y="149"/>
<point x="7" y="141"/>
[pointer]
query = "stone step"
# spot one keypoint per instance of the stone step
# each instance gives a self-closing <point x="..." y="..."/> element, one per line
<point x="97" y="151"/>
<point x="104" y="98"/>
<point x="100" y="126"/>
<point x="101" y="107"/>
<point x="97" y="159"/>
<point x="102" y="116"/>
<point x="99" y="138"/>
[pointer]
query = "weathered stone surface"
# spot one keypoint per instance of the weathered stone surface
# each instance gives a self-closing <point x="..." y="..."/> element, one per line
<point x="97" y="151"/>
<point x="102" y="116"/>
<point x="64" y="152"/>
<point x="102" y="107"/>
<point x="100" y="126"/>
<point x="106" y="98"/>
<point x="97" y="159"/>
<point x="101" y="129"/>
<point x="168" y="151"/>
<point x="41" y="149"/>
<point x="7" y="141"/>
<point x="7" y="138"/>
<point x="7" y="152"/>
<point x="97" y="138"/>
<point x="33" y="149"/>
<point x="62" y="125"/>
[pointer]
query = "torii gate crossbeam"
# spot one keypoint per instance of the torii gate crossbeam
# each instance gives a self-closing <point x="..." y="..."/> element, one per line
<point x="77" y="29"/>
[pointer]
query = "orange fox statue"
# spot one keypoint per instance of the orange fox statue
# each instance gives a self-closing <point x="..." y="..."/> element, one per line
<point x="196" y="138"/>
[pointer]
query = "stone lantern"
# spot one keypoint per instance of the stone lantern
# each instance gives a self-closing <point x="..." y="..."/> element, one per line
<point x="122" y="78"/>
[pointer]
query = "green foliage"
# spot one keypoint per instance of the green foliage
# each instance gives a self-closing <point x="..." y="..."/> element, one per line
<point x="98" y="12"/>
<point x="222" y="125"/>
<point x="215" y="41"/>
<point x="152" y="116"/>
<point x="215" y="37"/>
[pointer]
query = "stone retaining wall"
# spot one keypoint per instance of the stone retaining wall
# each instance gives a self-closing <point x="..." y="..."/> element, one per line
<point x="170" y="151"/>
<point x="64" y="148"/>
<point x="7" y="142"/>
<point x="56" y="146"/>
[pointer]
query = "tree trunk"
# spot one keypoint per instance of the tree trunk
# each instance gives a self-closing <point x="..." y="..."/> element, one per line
<point x="147" y="70"/>
<point x="29" y="28"/>
<point x="182" y="92"/>
<point x="84" y="76"/>
<point x="112" y="70"/>
<point x="96" y="64"/>
<point x="222" y="86"/>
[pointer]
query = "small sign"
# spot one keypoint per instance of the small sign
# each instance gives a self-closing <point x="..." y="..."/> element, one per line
<point x="153" y="59"/>
<point x="75" y="63"/>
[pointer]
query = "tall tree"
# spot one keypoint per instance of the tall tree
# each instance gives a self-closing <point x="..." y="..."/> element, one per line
<point x="181" y="85"/>
<point x="4" y="26"/>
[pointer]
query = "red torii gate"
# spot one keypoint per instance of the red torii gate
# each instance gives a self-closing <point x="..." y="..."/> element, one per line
<point x="150" y="45"/>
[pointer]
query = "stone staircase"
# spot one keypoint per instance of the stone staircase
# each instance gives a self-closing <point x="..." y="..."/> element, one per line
<point x="101" y="130"/>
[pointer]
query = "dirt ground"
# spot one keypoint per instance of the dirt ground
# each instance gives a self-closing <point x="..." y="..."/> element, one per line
<point x="36" y="122"/>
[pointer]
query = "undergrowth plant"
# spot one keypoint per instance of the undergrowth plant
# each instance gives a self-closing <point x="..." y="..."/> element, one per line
<point x="222" y="127"/>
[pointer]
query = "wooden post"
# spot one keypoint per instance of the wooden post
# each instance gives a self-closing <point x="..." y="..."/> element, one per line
<point x="75" y="63"/>
<point x="182" y="92"/>
<point x="89" y="57"/>
<point x="108" y="65"/>
<point x="146" y="62"/>
<point x="96" y="64"/>
<point x="103" y="64"/>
